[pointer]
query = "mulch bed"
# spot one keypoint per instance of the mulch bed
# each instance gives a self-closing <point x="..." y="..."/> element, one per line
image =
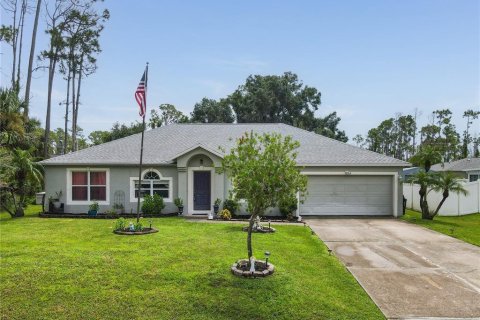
<point x="241" y="269"/>
<point x="104" y="216"/>
<point x="135" y="233"/>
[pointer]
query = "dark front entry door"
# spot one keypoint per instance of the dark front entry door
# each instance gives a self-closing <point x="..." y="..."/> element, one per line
<point x="201" y="190"/>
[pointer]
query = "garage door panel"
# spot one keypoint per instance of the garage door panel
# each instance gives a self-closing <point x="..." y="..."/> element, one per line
<point x="348" y="195"/>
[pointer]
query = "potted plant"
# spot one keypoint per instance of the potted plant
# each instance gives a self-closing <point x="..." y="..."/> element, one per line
<point x="216" y="206"/>
<point x="93" y="209"/>
<point x="56" y="200"/>
<point x="179" y="203"/>
<point x="118" y="207"/>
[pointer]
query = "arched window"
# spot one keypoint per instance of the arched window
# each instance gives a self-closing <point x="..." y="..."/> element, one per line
<point x="152" y="183"/>
<point x="151" y="175"/>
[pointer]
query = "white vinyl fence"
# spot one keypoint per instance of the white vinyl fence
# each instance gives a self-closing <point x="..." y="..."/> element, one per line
<point x="455" y="205"/>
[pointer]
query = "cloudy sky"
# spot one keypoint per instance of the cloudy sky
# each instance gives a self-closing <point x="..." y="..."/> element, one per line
<point x="369" y="59"/>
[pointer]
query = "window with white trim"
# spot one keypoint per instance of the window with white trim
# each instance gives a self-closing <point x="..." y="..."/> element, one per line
<point x="88" y="185"/>
<point x="152" y="183"/>
<point x="473" y="177"/>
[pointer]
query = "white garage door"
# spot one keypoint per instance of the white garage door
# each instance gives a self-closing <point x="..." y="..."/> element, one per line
<point x="348" y="195"/>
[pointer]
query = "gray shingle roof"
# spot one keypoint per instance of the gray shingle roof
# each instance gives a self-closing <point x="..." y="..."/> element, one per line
<point x="164" y="144"/>
<point x="466" y="164"/>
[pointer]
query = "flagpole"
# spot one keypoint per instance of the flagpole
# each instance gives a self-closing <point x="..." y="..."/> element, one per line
<point x="141" y="150"/>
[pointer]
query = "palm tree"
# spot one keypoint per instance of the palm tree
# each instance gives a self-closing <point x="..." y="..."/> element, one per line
<point x="446" y="182"/>
<point x="424" y="179"/>
<point x="426" y="157"/>
<point x="20" y="175"/>
<point x="11" y="120"/>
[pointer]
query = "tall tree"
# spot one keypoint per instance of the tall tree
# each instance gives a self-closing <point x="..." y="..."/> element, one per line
<point x="168" y="115"/>
<point x="282" y="99"/>
<point x="212" y="111"/>
<point x="56" y="23"/>
<point x="82" y="45"/>
<point x="275" y="99"/>
<point x="470" y="115"/>
<point x="30" y="60"/>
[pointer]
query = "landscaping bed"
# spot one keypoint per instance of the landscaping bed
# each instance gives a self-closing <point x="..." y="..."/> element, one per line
<point x="104" y="216"/>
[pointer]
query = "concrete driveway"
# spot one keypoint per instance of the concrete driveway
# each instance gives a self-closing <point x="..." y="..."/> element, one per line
<point x="409" y="271"/>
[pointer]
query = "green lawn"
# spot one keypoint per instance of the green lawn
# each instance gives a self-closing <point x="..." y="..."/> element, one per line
<point x="78" y="269"/>
<point x="466" y="228"/>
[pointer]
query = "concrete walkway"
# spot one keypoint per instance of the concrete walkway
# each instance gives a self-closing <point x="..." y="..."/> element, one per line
<point x="409" y="271"/>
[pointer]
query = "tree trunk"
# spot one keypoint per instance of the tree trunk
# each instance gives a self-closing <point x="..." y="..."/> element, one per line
<point x="30" y="61"/>
<point x="65" y="135"/>
<point x="77" y="102"/>
<point x="51" y="73"/>
<point x="74" y="120"/>
<point x="21" y="22"/>
<point x="445" y="196"/>
<point x="249" y="236"/>
<point x="14" y="45"/>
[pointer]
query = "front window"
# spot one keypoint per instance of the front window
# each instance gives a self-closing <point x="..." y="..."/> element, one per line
<point x="473" y="177"/>
<point x="89" y="185"/>
<point x="152" y="184"/>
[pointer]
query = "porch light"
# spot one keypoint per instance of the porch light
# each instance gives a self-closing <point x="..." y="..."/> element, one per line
<point x="267" y="255"/>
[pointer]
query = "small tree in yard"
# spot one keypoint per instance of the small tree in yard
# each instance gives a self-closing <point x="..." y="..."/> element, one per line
<point x="444" y="182"/>
<point x="264" y="173"/>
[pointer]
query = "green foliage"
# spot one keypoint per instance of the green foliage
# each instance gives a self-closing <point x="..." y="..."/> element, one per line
<point x="120" y="224"/>
<point x="138" y="226"/>
<point x="426" y="157"/>
<point x="288" y="206"/>
<point x="152" y="204"/>
<point x="264" y="172"/>
<point x="117" y="131"/>
<point x="94" y="206"/>
<point x="178" y="202"/>
<point x="444" y="182"/>
<point x="231" y="205"/>
<point x="283" y="99"/>
<point x="225" y="214"/>
<point x="168" y="115"/>
<point x="212" y="111"/>
<point x="217" y="202"/>
<point x="21" y="176"/>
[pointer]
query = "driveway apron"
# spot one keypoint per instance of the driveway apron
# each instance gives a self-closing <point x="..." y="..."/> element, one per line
<point x="409" y="271"/>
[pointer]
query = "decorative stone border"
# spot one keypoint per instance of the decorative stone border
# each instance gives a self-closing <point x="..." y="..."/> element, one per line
<point x="262" y="230"/>
<point x="133" y="233"/>
<point x="237" y="269"/>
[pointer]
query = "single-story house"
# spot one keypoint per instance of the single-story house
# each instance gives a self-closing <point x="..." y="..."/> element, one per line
<point x="409" y="172"/>
<point x="183" y="160"/>
<point x="468" y="168"/>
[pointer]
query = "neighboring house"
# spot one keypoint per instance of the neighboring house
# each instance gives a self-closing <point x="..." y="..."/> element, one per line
<point x="468" y="168"/>
<point x="407" y="173"/>
<point x="183" y="160"/>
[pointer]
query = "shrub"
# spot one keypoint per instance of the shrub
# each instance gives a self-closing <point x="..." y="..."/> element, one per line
<point x="231" y="205"/>
<point x="111" y="213"/>
<point x="120" y="224"/>
<point x="138" y="226"/>
<point x="225" y="214"/>
<point x="94" y="206"/>
<point x="178" y="202"/>
<point x="288" y="207"/>
<point x="153" y="204"/>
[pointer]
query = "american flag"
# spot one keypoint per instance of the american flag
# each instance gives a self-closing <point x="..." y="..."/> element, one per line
<point x="141" y="94"/>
